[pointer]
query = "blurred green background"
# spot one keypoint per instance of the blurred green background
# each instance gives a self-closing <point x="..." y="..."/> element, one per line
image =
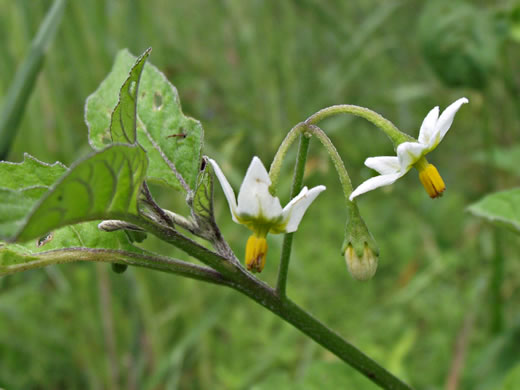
<point x="249" y="70"/>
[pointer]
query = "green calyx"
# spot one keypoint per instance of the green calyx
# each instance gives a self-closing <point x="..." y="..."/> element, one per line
<point x="357" y="234"/>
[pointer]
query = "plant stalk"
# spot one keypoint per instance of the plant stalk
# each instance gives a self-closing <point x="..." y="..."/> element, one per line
<point x="285" y="256"/>
<point x="266" y="296"/>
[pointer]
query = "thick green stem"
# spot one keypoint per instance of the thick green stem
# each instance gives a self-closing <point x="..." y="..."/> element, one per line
<point x="241" y="280"/>
<point x="299" y="170"/>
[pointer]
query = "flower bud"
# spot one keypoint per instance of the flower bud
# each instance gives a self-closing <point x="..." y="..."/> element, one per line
<point x="359" y="248"/>
<point x="361" y="267"/>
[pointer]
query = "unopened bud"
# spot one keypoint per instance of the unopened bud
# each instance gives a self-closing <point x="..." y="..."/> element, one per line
<point x="359" y="248"/>
<point x="111" y="225"/>
<point x="361" y="268"/>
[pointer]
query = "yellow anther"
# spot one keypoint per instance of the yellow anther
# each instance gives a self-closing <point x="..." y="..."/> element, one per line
<point x="431" y="180"/>
<point x="256" y="250"/>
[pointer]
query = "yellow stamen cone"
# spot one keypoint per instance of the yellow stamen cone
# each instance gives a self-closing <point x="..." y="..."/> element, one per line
<point x="432" y="181"/>
<point x="256" y="251"/>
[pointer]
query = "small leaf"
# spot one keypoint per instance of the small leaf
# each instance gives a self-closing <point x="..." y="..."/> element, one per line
<point x="168" y="136"/>
<point x="202" y="204"/>
<point x="123" y="124"/>
<point x="104" y="185"/>
<point x="501" y="208"/>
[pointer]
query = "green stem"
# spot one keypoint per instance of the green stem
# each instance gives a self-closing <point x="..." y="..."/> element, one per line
<point x="344" y="178"/>
<point x="299" y="170"/>
<point x="276" y="165"/>
<point x="160" y="263"/>
<point x="396" y="136"/>
<point x="243" y="281"/>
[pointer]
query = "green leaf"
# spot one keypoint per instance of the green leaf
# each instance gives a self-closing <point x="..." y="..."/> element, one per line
<point x="501" y="208"/>
<point x="123" y="123"/>
<point x="202" y="204"/>
<point x="39" y="252"/>
<point x="104" y="185"/>
<point x="21" y="186"/>
<point x="169" y="137"/>
<point x="30" y="172"/>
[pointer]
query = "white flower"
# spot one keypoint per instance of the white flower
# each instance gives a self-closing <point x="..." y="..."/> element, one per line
<point x="411" y="154"/>
<point x="260" y="211"/>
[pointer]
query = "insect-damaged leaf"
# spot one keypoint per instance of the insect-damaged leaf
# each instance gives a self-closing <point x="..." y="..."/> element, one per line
<point x="170" y="138"/>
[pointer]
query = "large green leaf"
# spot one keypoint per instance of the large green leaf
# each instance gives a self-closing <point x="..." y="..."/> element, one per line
<point x="21" y="186"/>
<point x="41" y="252"/>
<point x="170" y="138"/>
<point x="501" y="208"/>
<point x="104" y="185"/>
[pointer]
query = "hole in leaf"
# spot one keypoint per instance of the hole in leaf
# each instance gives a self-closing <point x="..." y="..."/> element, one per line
<point x="157" y="101"/>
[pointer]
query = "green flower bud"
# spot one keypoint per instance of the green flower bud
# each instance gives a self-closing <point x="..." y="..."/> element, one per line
<point x="359" y="248"/>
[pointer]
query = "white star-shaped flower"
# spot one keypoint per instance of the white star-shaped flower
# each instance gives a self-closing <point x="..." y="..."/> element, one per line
<point x="260" y="211"/>
<point x="411" y="154"/>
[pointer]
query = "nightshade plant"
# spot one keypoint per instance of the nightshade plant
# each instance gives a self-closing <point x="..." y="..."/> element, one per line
<point x="101" y="207"/>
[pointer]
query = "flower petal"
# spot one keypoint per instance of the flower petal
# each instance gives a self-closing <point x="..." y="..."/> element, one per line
<point x="295" y="209"/>
<point x="409" y="153"/>
<point x="384" y="164"/>
<point x="428" y="127"/>
<point x="226" y="187"/>
<point x="376" y="182"/>
<point x="254" y="198"/>
<point x="446" y="118"/>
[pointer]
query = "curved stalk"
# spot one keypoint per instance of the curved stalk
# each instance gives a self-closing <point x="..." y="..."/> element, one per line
<point x="396" y="136"/>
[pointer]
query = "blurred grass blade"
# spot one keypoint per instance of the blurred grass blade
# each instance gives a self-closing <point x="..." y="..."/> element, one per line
<point x="25" y="78"/>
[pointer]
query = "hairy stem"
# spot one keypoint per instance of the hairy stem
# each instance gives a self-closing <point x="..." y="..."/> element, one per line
<point x="160" y="263"/>
<point x="396" y="136"/>
<point x="299" y="170"/>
